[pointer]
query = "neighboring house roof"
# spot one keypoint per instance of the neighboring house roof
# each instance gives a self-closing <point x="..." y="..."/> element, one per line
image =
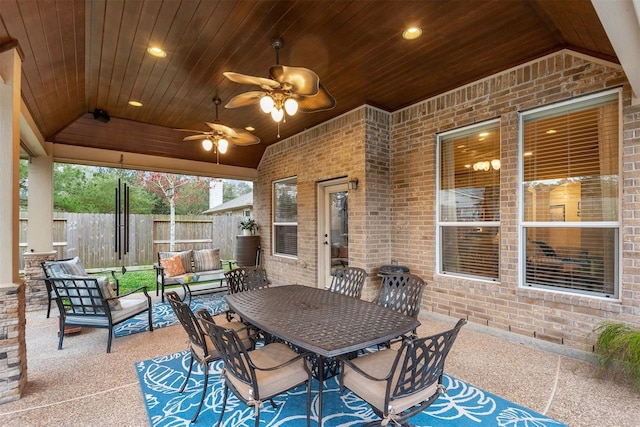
<point x="244" y="201"/>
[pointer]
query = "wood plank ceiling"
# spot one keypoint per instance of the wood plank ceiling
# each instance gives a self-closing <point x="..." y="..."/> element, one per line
<point x="85" y="55"/>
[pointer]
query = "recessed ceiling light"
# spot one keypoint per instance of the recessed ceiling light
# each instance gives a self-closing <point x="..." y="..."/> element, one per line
<point x="411" y="33"/>
<point x="483" y="134"/>
<point x="528" y="153"/>
<point x="467" y="166"/>
<point x="551" y="131"/>
<point x="157" y="52"/>
<point x="135" y="103"/>
<point x="250" y="128"/>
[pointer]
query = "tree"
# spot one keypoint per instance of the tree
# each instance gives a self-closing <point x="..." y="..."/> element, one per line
<point x="90" y="189"/>
<point x="24" y="183"/>
<point x="234" y="189"/>
<point x="174" y="189"/>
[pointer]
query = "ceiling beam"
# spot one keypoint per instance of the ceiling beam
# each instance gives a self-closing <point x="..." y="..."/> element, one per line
<point x="110" y="158"/>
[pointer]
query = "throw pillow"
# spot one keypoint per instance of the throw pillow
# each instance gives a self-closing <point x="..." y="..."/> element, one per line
<point x="185" y="258"/>
<point x="109" y="292"/>
<point x="74" y="267"/>
<point x="172" y="266"/>
<point x="206" y="259"/>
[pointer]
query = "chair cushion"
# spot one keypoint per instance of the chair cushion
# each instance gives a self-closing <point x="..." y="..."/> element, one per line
<point x="378" y="365"/>
<point x="240" y="329"/>
<point x="172" y="266"/>
<point x="272" y="383"/>
<point x="206" y="259"/>
<point x="130" y="307"/>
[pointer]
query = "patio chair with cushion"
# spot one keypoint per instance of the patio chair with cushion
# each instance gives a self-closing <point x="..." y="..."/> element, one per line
<point x="90" y="302"/>
<point x="73" y="266"/>
<point x="399" y="384"/>
<point x="402" y="293"/>
<point x="200" y="346"/>
<point x="257" y="375"/>
<point x="243" y="279"/>
<point x="348" y="281"/>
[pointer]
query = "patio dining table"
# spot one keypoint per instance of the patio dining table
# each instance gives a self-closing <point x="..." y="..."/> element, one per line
<point x="325" y="323"/>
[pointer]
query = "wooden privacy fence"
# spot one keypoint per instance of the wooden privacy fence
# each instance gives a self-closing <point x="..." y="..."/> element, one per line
<point x="91" y="237"/>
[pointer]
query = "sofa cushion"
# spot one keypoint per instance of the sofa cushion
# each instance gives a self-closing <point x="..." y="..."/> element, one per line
<point x="206" y="259"/>
<point x="185" y="258"/>
<point x="172" y="266"/>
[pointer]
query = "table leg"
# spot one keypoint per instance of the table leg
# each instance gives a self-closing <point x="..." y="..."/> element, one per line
<point x="320" y="362"/>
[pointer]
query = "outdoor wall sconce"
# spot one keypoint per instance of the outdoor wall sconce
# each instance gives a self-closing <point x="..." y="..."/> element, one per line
<point x="353" y="184"/>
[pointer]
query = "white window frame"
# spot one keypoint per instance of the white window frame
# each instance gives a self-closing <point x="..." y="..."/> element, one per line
<point x="522" y="225"/>
<point x="440" y="223"/>
<point x="275" y="224"/>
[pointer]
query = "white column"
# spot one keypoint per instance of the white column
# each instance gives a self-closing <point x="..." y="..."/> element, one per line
<point x="9" y="164"/>
<point x="40" y="214"/>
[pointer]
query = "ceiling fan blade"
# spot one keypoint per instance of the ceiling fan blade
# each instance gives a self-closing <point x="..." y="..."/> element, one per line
<point x="252" y="80"/>
<point x="304" y="82"/>
<point x="226" y="130"/>
<point x="244" y="99"/>
<point x="245" y="138"/>
<point x="322" y="101"/>
<point x="194" y="137"/>
<point x="191" y="130"/>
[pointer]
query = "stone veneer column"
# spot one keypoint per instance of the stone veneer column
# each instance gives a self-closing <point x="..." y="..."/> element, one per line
<point x="35" y="288"/>
<point x="13" y="349"/>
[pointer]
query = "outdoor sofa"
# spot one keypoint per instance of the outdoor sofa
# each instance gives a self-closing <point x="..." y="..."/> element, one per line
<point x="172" y="266"/>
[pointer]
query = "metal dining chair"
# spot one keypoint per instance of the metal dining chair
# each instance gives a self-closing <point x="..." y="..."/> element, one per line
<point x="200" y="346"/>
<point x="348" y="281"/>
<point x="243" y="279"/>
<point x="254" y="376"/>
<point x="402" y="293"/>
<point x="400" y="383"/>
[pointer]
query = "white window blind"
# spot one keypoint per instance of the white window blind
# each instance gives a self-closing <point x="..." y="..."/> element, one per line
<point x="570" y="192"/>
<point x="285" y="217"/>
<point x="469" y="201"/>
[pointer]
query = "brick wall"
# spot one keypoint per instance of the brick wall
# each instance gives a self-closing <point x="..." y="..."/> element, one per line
<point x="392" y="214"/>
<point x="555" y="317"/>
<point x="334" y="149"/>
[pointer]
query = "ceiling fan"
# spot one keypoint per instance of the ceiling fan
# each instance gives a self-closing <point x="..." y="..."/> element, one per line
<point x="288" y="90"/>
<point x="220" y="136"/>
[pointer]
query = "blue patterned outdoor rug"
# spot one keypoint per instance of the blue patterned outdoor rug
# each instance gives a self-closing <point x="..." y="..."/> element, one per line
<point x="162" y="314"/>
<point x="463" y="405"/>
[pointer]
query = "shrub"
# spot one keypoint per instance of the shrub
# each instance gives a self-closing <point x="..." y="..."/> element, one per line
<point x="618" y="349"/>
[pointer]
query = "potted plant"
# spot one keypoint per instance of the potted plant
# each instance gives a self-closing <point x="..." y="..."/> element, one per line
<point x="248" y="226"/>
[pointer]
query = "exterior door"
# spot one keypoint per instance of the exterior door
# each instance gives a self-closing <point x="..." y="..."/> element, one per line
<point x="333" y="227"/>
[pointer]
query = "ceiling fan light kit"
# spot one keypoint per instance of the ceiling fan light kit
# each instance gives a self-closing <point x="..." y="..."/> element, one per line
<point x="221" y="136"/>
<point x="288" y="90"/>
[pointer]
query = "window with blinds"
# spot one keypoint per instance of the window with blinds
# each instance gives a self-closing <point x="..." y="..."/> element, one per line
<point x="570" y="195"/>
<point x="285" y="217"/>
<point x="469" y="201"/>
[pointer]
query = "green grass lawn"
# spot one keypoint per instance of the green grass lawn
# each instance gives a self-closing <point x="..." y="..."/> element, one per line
<point x="136" y="278"/>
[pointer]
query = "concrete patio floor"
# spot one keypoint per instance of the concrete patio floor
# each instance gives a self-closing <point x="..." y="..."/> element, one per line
<point x="83" y="385"/>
